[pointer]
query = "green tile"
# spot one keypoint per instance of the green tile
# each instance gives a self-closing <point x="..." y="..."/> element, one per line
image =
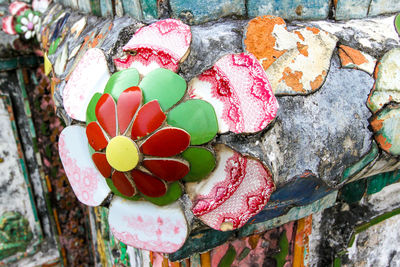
<point x="197" y="117"/>
<point x="165" y="86"/>
<point x="149" y="8"/>
<point x="202" y="162"/>
<point x="120" y="81"/>
<point x="90" y="111"/>
<point x="173" y="194"/>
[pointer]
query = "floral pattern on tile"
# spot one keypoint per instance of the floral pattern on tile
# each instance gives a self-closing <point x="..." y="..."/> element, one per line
<point x="149" y="137"/>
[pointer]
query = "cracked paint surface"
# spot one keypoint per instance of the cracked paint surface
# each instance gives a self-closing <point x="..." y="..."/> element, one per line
<point x="296" y="62"/>
<point x="356" y="59"/>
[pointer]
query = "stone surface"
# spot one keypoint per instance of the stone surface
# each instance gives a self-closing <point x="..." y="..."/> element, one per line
<point x="351" y="9"/>
<point x="195" y="12"/>
<point x="303" y="9"/>
<point x="296" y="62"/>
<point x="352" y="58"/>
<point x="379" y="7"/>
<point x="387" y="84"/>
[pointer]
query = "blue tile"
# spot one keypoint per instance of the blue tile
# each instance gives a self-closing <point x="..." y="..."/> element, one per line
<point x="106" y="8"/>
<point x="351" y="9"/>
<point x="202" y="11"/>
<point x="379" y="7"/>
<point x="132" y="8"/>
<point x="289" y="9"/>
<point x="149" y="8"/>
<point x="84" y="6"/>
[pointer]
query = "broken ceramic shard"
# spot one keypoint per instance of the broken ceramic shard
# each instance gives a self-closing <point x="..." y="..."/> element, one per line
<point x="387" y="128"/>
<point x="355" y="59"/>
<point x="296" y="62"/>
<point x="235" y="191"/>
<point x="240" y="93"/>
<point x="144" y="225"/>
<point x="387" y="84"/>
<point x="163" y="44"/>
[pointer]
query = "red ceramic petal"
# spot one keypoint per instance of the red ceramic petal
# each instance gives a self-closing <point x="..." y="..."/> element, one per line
<point x="123" y="184"/>
<point x="127" y="105"/>
<point x="148" y="185"/>
<point x="95" y="136"/>
<point x="167" y="169"/>
<point x="148" y="119"/>
<point x="105" y="113"/>
<point x="166" y="142"/>
<point x="101" y="163"/>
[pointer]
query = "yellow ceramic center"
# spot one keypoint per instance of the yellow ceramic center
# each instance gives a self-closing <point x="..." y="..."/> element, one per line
<point x="122" y="153"/>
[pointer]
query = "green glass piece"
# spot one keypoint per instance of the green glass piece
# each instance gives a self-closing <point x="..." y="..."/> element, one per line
<point x="90" y="111"/>
<point x="284" y="250"/>
<point x="228" y="258"/>
<point x="27" y="12"/>
<point x="244" y="253"/>
<point x="120" y="81"/>
<point x="19" y="18"/>
<point x="197" y="117"/>
<point x="174" y="192"/>
<point x="165" y="86"/>
<point x="202" y="162"/>
<point x="397" y="23"/>
<point x="54" y="45"/>
<point x="354" y="191"/>
<point x="116" y="192"/>
<point x="377" y="182"/>
<point x="18" y="28"/>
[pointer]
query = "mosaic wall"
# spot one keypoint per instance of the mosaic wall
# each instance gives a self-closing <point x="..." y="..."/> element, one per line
<point x="210" y="136"/>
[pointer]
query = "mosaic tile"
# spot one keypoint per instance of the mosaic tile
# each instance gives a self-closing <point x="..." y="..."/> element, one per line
<point x="92" y="74"/>
<point x="149" y="9"/>
<point x="163" y="85"/>
<point x="106" y="114"/>
<point x="59" y="26"/>
<point x="148" y="119"/>
<point x="91" y="108"/>
<point x="40" y="5"/>
<point x="167" y="169"/>
<point x="84" y="6"/>
<point x="166" y="142"/>
<point x="147" y="226"/>
<point x="386" y="127"/>
<point x="397" y="23"/>
<point x="106" y="8"/>
<point x="95" y="135"/>
<point x="17" y="8"/>
<point x="240" y="93"/>
<point x="78" y="27"/>
<point x="53" y="46"/>
<point x="127" y="105"/>
<point x="95" y="7"/>
<point x="160" y="45"/>
<point x="132" y="8"/>
<point x="301" y="9"/>
<point x="174" y="192"/>
<point x="379" y="7"/>
<point x="48" y="67"/>
<point x="196" y="11"/>
<point x="148" y="185"/>
<point x="235" y="191"/>
<point x="120" y="81"/>
<point x="122" y="153"/>
<point x="355" y="59"/>
<point x="61" y="61"/>
<point x="387" y="83"/>
<point x="101" y="163"/>
<point x="296" y="62"/>
<point x="86" y="181"/>
<point x="197" y="117"/>
<point x="202" y="162"/>
<point x="8" y="25"/>
<point x="123" y="184"/>
<point x="74" y="52"/>
<point x="351" y="9"/>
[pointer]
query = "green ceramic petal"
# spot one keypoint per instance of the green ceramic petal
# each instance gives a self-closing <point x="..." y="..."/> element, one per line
<point x="202" y="162"/>
<point x="19" y="18"/>
<point x="197" y="117"/>
<point x="27" y="12"/>
<point x="397" y="23"/>
<point x="165" y="86"/>
<point x="173" y="194"/>
<point x="120" y="81"/>
<point x="116" y="192"/>
<point x="90" y="111"/>
<point x="54" y="45"/>
<point x="18" y="28"/>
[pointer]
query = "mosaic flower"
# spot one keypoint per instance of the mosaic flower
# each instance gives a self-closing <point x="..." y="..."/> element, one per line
<point x="28" y="23"/>
<point x="151" y="138"/>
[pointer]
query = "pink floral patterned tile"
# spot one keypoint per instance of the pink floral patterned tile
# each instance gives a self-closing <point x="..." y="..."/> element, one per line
<point x="163" y="44"/>
<point x="240" y="92"/>
<point x="88" y="184"/>
<point x="147" y="226"/>
<point x="238" y="189"/>
<point x="90" y="76"/>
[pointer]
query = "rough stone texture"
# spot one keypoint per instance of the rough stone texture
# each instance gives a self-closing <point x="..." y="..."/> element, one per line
<point x="302" y="9"/>
<point x="374" y="36"/>
<point x="196" y="11"/>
